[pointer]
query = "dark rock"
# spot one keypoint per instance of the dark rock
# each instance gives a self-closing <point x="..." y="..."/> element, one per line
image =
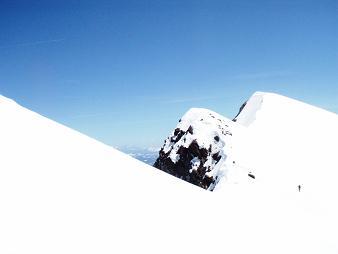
<point x="178" y="134"/>
<point x="251" y="175"/>
<point x="240" y="110"/>
<point x="216" y="157"/>
<point x="190" y="130"/>
<point x="182" y="167"/>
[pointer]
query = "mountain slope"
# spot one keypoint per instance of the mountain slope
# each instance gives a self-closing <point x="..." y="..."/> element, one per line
<point x="62" y="192"/>
<point x="294" y="143"/>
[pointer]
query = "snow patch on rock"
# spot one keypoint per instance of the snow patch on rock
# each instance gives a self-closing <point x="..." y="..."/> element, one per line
<point x="196" y="150"/>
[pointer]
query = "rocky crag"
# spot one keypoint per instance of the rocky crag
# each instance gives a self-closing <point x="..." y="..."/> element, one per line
<point x="195" y="151"/>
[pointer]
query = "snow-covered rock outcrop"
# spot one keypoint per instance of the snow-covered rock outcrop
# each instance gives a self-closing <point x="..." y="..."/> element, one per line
<point x="273" y="139"/>
<point x="196" y="151"/>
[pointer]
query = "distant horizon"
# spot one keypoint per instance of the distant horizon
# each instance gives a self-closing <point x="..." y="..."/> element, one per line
<point x="124" y="72"/>
<point x="149" y="150"/>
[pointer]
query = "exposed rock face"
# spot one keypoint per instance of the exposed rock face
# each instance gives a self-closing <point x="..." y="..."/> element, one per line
<point x="196" y="150"/>
<point x="240" y="111"/>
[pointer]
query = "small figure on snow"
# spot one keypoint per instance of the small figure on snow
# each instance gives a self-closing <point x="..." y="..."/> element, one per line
<point x="299" y="187"/>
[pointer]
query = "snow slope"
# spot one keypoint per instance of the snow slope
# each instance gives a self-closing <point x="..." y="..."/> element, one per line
<point x="63" y="192"/>
<point x="289" y="143"/>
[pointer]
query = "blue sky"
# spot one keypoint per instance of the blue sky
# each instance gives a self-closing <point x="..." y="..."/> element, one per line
<point x="124" y="72"/>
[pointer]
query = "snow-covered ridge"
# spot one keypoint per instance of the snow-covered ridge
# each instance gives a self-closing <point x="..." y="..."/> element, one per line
<point x="268" y="128"/>
<point x="279" y="107"/>
<point x="249" y="109"/>
<point x="294" y="142"/>
<point x="4" y="100"/>
<point x="63" y="192"/>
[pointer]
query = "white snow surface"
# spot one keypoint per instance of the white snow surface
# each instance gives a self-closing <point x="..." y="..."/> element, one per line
<point x="63" y="192"/>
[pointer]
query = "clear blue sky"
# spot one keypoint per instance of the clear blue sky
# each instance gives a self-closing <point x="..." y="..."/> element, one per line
<point x="124" y="72"/>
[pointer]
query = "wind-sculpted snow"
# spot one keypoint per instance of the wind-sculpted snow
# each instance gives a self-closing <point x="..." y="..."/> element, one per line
<point x="196" y="151"/>
<point x="247" y="112"/>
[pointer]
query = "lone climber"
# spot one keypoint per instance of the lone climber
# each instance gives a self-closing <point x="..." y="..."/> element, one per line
<point x="299" y="187"/>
